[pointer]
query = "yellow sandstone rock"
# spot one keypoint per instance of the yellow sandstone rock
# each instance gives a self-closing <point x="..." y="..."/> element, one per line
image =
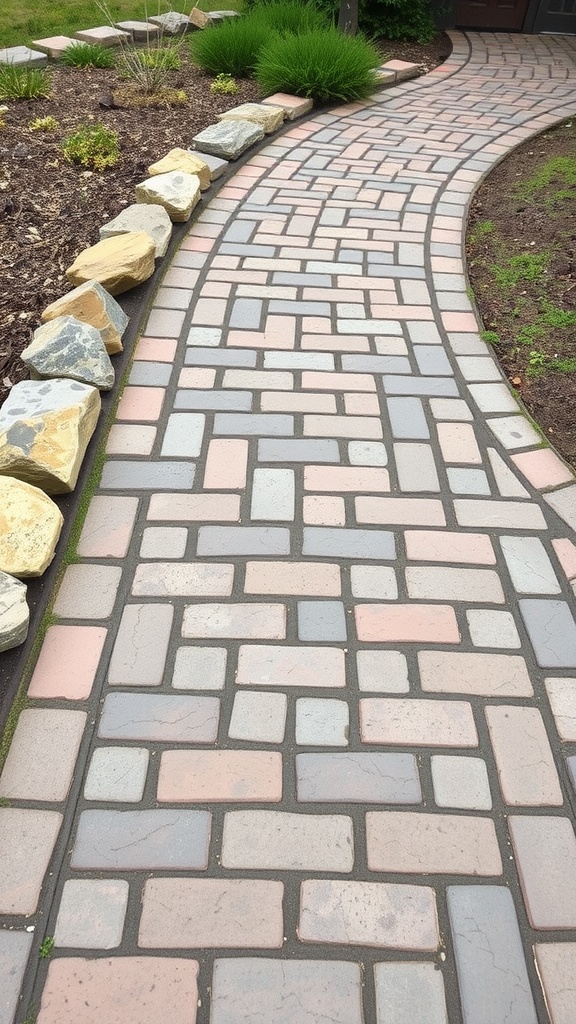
<point x="198" y="18"/>
<point x="30" y="525"/>
<point x="92" y="304"/>
<point x="267" y="117"/>
<point x="183" y="160"/>
<point x="118" y="263"/>
<point x="45" y="427"/>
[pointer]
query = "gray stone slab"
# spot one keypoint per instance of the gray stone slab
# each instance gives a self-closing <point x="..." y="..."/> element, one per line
<point x="92" y="913"/>
<point x="120" y="474"/>
<point x="409" y="993"/>
<point x="437" y="387"/>
<point x="300" y="308"/>
<point x="178" y="718"/>
<point x="563" y="502"/>
<point x="231" y="401"/>
<point x="14" y="950"/>
<point x="147" y="374"/>
<point x="23" y="57"/>
<point x="298" y="450"/>
<point x="131" y="840"/>
<point x="219" y="357"/>
<point x="199" y="668"/>
<point x="340" y="543"/>
<point x="298" y="360"/>
<point x="416" y="468"/>
<point x="432" y="360"/>
<point x="321" y="620"/>
<point x="246" y="313"/>
<point x="407" y="418"/>
<point x="183" y="434"/>
<point x="149" y="217"/>
<point x="358" y="778"/>
<point x="240" y="231"/>
<point x="321" y="722"/>
<point x="228" y="139"/>
<point x="468" y="481"/>
<point x="530" y="568"/>
<point x="215" y="163"/>
<point x="172" y="23"/>
<point x="117" y="774"/>
<point x="376" y="364"/>
<point x="492" y="976"/>
<point x="262" y="424"/>
<point x="139" y="652"/>
<point x="286" y="991"/>
<point x="273" y="495"/>
<point x="243" y="540"/>
<point x="141" y="31"/>
<point x="552" y="632"/>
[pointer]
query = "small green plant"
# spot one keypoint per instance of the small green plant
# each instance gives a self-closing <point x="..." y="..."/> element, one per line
<point x="527" y="266"/>
<point x="480" y="230"/>
<point x="17" y="83"/>
<point x="224" y="84"/>
<point x="46" y="947"/>
<point x="549" y="318"/>
<point x="44" y="124"/>
<point x="87" y="55"/>
<point x="558" y="171"/>
<point x="490" y="337"/>
<point x="93" y="146"/>
<point x="231" y="48"/>
<point x="166" y="58"/>
<point x="325" y="65"/>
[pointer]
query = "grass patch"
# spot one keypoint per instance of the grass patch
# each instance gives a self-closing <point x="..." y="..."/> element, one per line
<point x="480" y="231"/>
<point x="527" y="266"/>
<point x="550" y="318"/>
<point x="17" y="83"/>
<point x="325" y="65"/>
<point x="87" y="55"/>
<point x="558" y="171"/>
<point x="46" y="947"/>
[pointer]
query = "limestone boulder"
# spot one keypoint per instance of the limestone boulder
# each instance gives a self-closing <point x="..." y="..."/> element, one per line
<point x="118" y="263"/>
<point x="198" y="19"/>
<point x="176" y="191"/>
<point x="94" y="305"/>
<point x="228" y="139"/>
<point x="150" y="218"/>
<point x="183" y="160"/>
<point x="268" y="117"/>
<point x="14" y="612"/>
<point x="45" y="427"/>
<point x="67" y="347"/>
<point x="30" y="525"/>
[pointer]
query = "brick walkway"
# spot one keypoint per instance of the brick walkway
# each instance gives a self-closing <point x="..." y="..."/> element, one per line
<point x="298" y="747"/>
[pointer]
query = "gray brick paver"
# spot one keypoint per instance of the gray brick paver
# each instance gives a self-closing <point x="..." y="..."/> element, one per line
<point x="324" y="343"/>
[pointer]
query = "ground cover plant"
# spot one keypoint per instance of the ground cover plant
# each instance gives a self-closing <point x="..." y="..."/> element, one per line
<point x="521" y="248"/>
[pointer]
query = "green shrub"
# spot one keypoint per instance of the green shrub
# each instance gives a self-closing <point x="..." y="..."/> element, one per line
<point x="290" y="16"/>
<point x="17" y="83"/>
<point x="44" y="124"/>
<point x="325" y="65"/>
<point x="231" y="48"/>
<point x="87" y="55"/>
<point x="93" y="146"/>
<point x="224" y="84"/>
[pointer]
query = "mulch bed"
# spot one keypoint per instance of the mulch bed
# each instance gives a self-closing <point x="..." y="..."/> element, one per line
<point x="542" y="223"/>
<point x="50" y="209"/>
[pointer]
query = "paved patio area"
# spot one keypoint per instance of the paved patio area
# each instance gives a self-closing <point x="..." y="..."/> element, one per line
<point x="301" y="745"/>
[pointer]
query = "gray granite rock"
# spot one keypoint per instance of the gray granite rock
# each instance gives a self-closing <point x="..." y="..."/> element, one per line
<point x="68" y="347"/>
<point x="14" y="612"/>
<point x="228" y="139"/>
<point x="216" y="165"/>
<point x="176" y="191"/>
<point x="23" y="57"/>
<point x="149" y="217"/>
<point x="91" y="303"/>
<point x="172" y="23"/>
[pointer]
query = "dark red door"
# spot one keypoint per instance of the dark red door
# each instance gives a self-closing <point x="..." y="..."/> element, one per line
<point x="498" y="15"/>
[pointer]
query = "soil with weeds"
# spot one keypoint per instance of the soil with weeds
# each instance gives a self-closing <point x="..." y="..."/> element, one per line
<point x="521" y="250"/>
<point x="50" y="209"/>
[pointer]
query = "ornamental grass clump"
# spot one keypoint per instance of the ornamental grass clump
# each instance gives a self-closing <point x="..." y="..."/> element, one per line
<point x="233" y="47"/>
<point x="18" y="83"/>
<point x="87" y="55"/>
<point x="324" y="65"/>
<point x="289" y="16"/>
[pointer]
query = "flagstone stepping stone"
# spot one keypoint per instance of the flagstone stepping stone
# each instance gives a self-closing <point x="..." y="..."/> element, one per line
<point x="268" y="117"/>
<point x="91" y="303"/>
<point x="215" y="164"/>
<point x="118" y="263"/>
<point x="176" y="191"/>
<point x="293" y="106"/>
<point x="228" y="139"/>
<point x="30" y="525"/>
<point x="45" y="427"/>
<point x="402" y="69"/>
<point x="53" y="46"/>
<point x="23" y="57"/>
<point x="185" y="160"/>
<point x="139" y="31"/>
<point x="149" y="217"/>
<point x="67" y="347"/>
<point x="106" y="35"/>
<point x="14" y="612"/>
<point x="172" y="23"/>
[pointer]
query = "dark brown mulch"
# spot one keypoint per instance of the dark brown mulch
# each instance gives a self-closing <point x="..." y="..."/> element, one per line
<point x="50" y="210"/>
<point x="542" y="223"/>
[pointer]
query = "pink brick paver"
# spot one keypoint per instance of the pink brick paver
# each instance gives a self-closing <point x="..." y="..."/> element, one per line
<point x="299" y="740"/>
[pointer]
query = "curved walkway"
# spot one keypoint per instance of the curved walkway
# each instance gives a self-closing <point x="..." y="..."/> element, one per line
<point x="300" y="747"/>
